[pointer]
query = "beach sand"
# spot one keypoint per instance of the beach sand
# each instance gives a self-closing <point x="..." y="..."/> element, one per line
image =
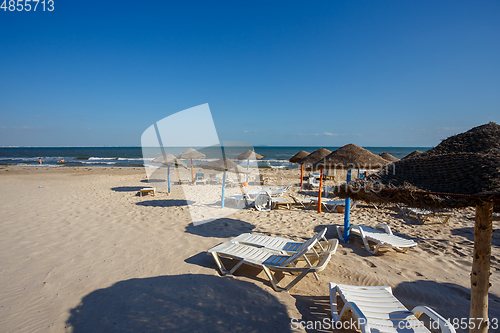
<point x="81" y="251"/>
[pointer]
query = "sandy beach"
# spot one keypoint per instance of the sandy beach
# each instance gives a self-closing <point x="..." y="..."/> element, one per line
<point x="81" y="251"/>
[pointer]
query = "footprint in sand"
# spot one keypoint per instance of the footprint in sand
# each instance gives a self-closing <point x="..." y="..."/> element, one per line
<point x="371" y="264"/>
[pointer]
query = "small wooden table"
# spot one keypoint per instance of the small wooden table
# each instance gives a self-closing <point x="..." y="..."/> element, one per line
<point x="147" y="190"/>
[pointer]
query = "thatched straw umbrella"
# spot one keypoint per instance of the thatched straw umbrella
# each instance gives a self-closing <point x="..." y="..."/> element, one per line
<point x="388" y="157"/>
<point x="296" y="158"/>
<point x="462" y="171"/>
<point x="412" y="154"/>
<point x="191" y="154"/>
<point x="350" y="156"/>
<point x="169" y="160"/>
<point x="225" y="165"/>
<point x="249" y="155"/>
<point x="314" y="157"/>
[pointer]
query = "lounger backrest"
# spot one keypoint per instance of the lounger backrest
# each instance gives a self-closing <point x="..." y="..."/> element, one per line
<point x="301" y="251"/>
<point x="318" y="237"/>
<point x="262" y="201"/>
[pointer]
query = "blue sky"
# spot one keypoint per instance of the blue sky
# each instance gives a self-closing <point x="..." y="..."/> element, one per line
<point x="374" y="73"/>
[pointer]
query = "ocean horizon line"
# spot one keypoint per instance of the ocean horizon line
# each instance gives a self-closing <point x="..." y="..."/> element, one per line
<point x="259" y="146"/>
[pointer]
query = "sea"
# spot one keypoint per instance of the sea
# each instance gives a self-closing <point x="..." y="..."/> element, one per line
<point x="133" y="156"/>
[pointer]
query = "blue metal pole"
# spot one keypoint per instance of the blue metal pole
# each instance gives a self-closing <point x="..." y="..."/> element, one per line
<point x="223" y="188"/>
<point x="168" y="177"/>
<point x="347" y="211"/>
<point x="248" y="166"/>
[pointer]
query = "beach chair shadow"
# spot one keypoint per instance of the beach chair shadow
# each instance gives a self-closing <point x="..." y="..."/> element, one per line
<point x="165" y="203"/>
<point x="180" y="303"/>
<point x="152" y="180"/>
<point x="314" y="309"/>
<point x="449" y="299"/>
<point x="220" y="228"/>
<point x="126" y="188"/>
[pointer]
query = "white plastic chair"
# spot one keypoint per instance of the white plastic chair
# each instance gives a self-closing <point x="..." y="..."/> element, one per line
<point x="376" y="310"/>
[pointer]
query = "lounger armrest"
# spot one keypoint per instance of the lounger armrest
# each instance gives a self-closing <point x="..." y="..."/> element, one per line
<point x="386" y="228"/>
<point x="444" y="325"/>
<point x="356" y="312"/>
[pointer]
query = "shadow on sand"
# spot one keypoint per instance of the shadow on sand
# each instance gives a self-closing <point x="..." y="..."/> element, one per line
<point x="220" y="228"/>
<point x="180" y="303"/>
<point x="165" y="203"/>
<point x="448" y="299"/>
<point x="126" y="188"/>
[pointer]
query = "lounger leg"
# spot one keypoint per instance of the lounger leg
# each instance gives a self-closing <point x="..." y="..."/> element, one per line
<point x="220" y="265"/>
<point x="444" y="325"/>
<point x="223" y="270"/>
<point x="365" y="241"/>
<point x="287" y="287"/>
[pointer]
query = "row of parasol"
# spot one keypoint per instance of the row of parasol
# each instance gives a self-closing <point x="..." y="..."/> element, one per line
<point x="462" y="171"/>
<point x="224" y="164"/>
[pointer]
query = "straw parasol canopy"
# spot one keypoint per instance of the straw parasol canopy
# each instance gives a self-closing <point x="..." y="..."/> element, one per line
<point x="191" y="154"/>
<point x="169" y="159"/>
<point x="297" y="157"/>
<point x="351" y="156"/>
<point x="249" y="155"/>
<point x="463" y="170"/>
<point x="388" y="157"/>
<point x="314" y="156"/>
<point x="412" y="154"/>
<point x="224" y="164"/>
<point x="480" y="139"/>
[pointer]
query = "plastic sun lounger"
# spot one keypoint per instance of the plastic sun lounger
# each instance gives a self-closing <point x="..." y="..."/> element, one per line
<point x="331" y="205"/>
<point x="381" y="239"/>
<point x="270" y="261"/>
<point x="423" y="214"/>
<point x="375" y="309"/>
<point x="239" y="199"/>
<point x="304" y="202"/>
<point x="264" y="201"/>
<point x="284" y="245"/>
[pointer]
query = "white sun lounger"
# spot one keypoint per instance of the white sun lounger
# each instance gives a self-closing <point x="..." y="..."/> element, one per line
<point x="269" y="260"/>
<point x="424" y="214"/>
<point x="284" y="245"/>
<point x="381" y="239"/>
<point x="304" y="202"/>
<point x="264" y="201"/>
<point x="376" y="310"/>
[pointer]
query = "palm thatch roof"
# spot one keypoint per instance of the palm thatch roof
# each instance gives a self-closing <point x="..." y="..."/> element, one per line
<point x="442" y="177"/>
<point x="249" y="155"/>
<point x="480" y="139"/>
<point x="315" y="156"/>
<point x="388" y="157"/>
<point x="169" y="159"/>
<point x="224" y="164"/>
<point x="412" y="154"/>
<point x="351" y="156"/>
<point x="297" y="157"/>
<point x="191" y="153"/>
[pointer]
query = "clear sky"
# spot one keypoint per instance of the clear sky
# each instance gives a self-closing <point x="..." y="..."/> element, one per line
<point x="322" y="73"/>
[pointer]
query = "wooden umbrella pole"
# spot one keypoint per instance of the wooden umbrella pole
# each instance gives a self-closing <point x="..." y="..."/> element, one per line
<point x="192" y="172"/>
<point x="319" y="191"/>
<point x="301" y="174"/>
<point x="480" y="276"/>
